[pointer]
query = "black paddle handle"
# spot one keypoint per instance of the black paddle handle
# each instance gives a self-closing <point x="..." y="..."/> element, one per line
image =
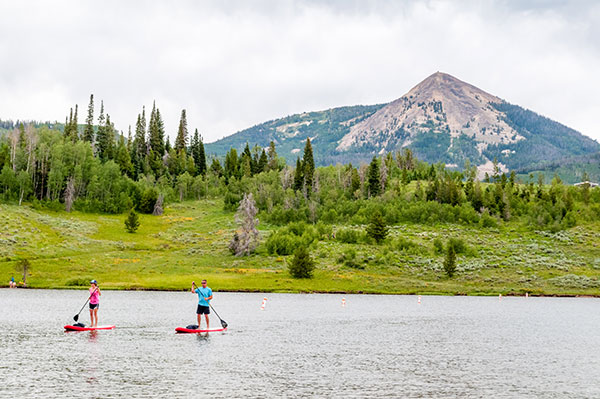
<point x="211" y="306"/>
<point x="86" y="302"/>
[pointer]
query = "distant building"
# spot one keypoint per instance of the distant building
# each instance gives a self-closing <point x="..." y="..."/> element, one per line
<point x="592" y="185"/>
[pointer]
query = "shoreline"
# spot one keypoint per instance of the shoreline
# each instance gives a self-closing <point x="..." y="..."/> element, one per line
<point x="251" y="291"/>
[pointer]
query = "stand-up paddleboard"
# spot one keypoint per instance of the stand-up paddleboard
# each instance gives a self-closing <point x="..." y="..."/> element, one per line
<point x="77" y="328"/>
<point x="183" y="330"/>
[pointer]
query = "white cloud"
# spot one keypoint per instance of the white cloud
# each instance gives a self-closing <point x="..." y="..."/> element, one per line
<point x="234" y="64"/>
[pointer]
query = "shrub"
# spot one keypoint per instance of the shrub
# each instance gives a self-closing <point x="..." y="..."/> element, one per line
<point x="404" y="244"/>
<point x="281" y="243"/>
<point x="458" y="244"/>
<point x="348" y="258"/>
<point x="78" y="282"/>
<point x="438" y="246"/>
<point x="348" y="236"/>
<point x="487" y="221"/>
<point x="302" y="265"/>
<point x="148" y="200"/>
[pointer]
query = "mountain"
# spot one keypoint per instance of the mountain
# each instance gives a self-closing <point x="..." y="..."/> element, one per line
<point x="442" y="119"/>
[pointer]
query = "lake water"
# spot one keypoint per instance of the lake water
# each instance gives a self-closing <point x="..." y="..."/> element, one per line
<point x="301" y="346"/>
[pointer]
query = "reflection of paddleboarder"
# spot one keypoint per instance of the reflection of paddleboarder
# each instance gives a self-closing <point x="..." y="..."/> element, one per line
<point x="204" y="296"/>
<point x="94" y="303"/>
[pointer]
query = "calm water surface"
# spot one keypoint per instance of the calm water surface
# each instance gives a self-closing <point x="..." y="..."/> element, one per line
<point x="301" y="346"/>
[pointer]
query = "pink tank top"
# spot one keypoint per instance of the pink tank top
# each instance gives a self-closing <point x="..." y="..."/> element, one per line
<point x="94" y="296"/>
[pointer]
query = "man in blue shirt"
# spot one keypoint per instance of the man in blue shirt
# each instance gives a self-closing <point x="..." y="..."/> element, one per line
<point x="204" y="296"/>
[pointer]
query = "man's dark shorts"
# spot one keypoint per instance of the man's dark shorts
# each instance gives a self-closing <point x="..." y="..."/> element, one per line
<point x="203" y="310"/>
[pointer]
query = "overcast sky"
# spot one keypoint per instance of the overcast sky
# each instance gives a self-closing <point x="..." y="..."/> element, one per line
<point x="234" y="64"/>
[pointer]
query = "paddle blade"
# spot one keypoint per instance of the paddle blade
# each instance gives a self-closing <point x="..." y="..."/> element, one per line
<point x="224" y="324"/>
<point x="76" y="317"/>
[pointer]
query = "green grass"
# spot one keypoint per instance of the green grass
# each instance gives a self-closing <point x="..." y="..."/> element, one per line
<point x="189" y="242"/>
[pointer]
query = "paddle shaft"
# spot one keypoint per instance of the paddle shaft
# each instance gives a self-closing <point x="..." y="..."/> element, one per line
<point x="76" y="317"/>
<point x="223" y="323"/>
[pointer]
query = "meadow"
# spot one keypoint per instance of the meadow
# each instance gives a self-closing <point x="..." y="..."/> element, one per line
<point x="189" y="242"/>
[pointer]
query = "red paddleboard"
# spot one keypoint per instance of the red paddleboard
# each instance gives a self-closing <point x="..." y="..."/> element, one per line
<point x="183" y="330"/>
<point x="76" y="328"/>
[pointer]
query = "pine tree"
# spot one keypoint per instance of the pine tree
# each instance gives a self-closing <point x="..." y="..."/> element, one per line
<point x="198" y="154"/>
<point x="181" y="141"/>
<point x="377" y="229"/>
<point x="231" y="164"/>
<point x="75" y="126"/>
<point x="167" y="145"/>
<point x="302" y="265"/>
<point x="272" y="156"/>
<point x="308" y="165"/>
<point x="354" y="181"/>
<point x="123" y="158"/>
<point x="262" y="162"/>
<point x="88" y="130"/>
<point x="132" y="222"/>
<point x="374" y="183"/>
<point x="450" y="261"/>
<point x="102" y="136"/>
<point x="246" y="153"/>
<point x="201" y="166"/>
<point x="298" y="176"/>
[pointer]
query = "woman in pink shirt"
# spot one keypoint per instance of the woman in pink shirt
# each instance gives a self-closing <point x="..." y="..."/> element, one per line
<point x="94" y="302"/>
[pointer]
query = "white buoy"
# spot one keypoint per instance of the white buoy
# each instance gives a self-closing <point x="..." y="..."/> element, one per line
<point x="419" y="299"/>
<point x="264" y="302"/>
<point x="343" y="301"/>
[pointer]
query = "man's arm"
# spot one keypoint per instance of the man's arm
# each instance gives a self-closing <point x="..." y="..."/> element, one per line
<point x="193" y="285"/>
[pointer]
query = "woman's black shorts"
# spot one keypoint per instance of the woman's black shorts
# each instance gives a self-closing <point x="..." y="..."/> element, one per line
<point x="203" y="310"/>
<point x="94" y="305"/>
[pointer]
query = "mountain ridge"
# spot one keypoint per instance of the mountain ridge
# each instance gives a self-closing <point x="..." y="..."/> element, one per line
<point x="442" y="119"/>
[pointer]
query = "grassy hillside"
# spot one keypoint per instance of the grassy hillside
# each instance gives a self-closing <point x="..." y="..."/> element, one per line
<point x="190" y="242"/>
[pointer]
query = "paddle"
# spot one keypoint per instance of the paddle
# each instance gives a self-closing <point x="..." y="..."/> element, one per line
<point x="223" y="322"/>
<point x="76" y="317"/>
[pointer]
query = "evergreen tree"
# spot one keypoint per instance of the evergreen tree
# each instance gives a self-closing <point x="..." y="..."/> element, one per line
<point x="377" y="229"/>
<point x="181" y="141"/>
<point x="262" y="162"/>
<point x="167" y="145"/>
<point x="88" y="131"/>
<point x="231" y="164"/>
<point x="132" y="222"/>
<point x="374" y="183"/>
<point x="216" y="168"/>
<point x="272" y="156"/>
<point x="450" y="261"/>
<point x="247" y="154"/>
<point x="354" y="181"/>
<point x="308" y="164"/>
<point x="75" y="126"/>
<point x="123" y="158"/>
<point x="302" y="265"/>
<point x="102" y="140"/>
<point x="298" y="176"/>
<point x="198" y="153"/>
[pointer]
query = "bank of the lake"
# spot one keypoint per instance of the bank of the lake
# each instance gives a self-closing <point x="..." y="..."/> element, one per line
<point x="190" y="240"/>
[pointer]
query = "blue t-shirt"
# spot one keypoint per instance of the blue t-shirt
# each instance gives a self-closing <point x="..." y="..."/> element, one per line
<point x="203" y="293"/>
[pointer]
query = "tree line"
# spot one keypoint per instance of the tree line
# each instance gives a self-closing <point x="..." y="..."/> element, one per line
<point x="92" y="167"/>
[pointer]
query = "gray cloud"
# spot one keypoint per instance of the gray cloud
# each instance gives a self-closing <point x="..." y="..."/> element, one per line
<point x="233" y="64"/>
